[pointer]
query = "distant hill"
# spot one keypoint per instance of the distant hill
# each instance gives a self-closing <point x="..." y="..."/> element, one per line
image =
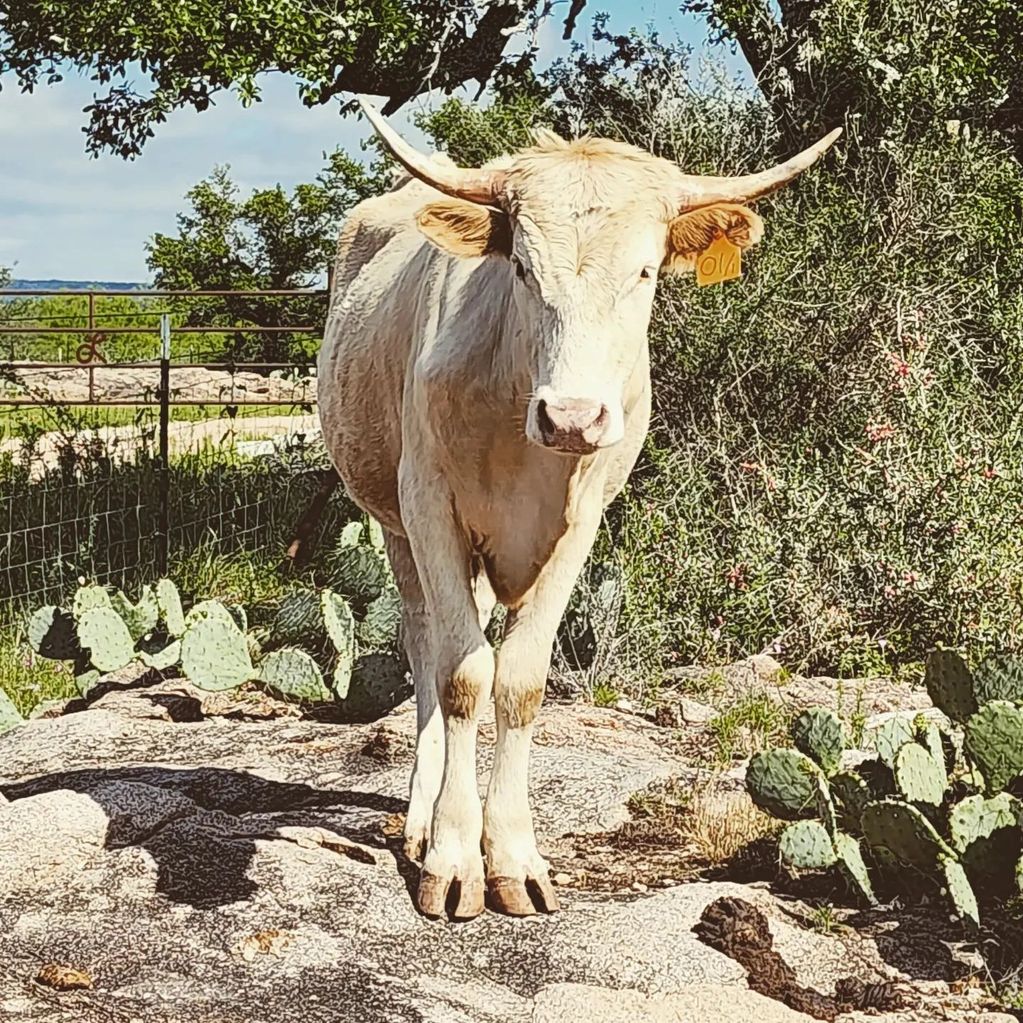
<point x="57" y="285"/>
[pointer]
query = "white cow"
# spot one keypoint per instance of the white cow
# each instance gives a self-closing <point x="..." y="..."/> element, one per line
<point x="484" y="389"/>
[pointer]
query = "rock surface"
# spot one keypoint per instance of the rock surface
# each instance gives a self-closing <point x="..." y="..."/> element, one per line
<point x="191" y="869"/>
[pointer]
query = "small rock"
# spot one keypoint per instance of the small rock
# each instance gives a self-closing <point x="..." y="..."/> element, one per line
<point x="63" y="978"/>
<point x="624" y="704"/>
<point x="562" y="878"/>
<point x="638" y="886"/>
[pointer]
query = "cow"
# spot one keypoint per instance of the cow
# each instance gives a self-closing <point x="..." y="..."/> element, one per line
<point x="484" y="391"/>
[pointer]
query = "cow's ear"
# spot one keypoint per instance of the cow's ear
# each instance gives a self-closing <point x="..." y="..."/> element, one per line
<point x="690" y="233"/>
<point x="465" y="229"/>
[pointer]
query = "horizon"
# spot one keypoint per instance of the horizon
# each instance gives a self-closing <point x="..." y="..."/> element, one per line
<point x="67" y="217"/>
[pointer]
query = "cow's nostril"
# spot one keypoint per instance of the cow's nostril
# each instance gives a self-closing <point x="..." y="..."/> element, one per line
<point x="544" y="421"/>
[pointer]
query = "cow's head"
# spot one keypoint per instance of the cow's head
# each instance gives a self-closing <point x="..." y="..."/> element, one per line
<point x="585" y="228"/>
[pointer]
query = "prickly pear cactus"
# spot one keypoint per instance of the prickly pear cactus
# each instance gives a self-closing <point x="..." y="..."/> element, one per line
<point x="956" y="885"/>
<point x="950" y="685"/>
<point x="209" y="609"/>
<point x="919" y="775"/>
<point x="905" y="832"/>
<point x="999" y="677"/>
<point x="854" y="870"/>
<point x="994" y="740"/>
<point x="292" y="672"/>
<point x="379" y="682"/>
<point x="171" y="612"/>
<point x="986" y="834"/>
<point x="785" y="783"/>
<point x="9" y="716"/>
<point x="358" y="573"/>
<point x="102" y="632"/>
<point x="340" y="624"/>
<point x="382" y="621"/>
<point x="375" y="534"/>
<point x="52" y="633"/>
<point x="592" y="616"/>
<point x="299" y="619"/>
<point x="891" y="735"/>
<point x="141" y="618"/>
<point x="87" y="597"/>
<point x="819" y="734"/>
<point x="215" y="654"/>
<point x="351" y="535"/>
<point x="851" y="794"/>
<point x="161" y="658"/>
<point x="806" y="845"/>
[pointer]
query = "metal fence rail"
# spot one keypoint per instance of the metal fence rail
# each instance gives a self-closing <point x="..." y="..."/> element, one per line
<point x="89" y="489"/>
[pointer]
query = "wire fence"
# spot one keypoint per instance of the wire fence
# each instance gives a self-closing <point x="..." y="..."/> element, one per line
<point x="119" y="470"/>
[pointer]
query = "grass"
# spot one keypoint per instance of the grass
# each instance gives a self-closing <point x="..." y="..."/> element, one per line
<point x="27" y="678"/>
<point x="745" y="728"/>
<point x="720" y="825"/>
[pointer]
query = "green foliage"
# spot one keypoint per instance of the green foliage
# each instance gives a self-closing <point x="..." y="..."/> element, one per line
<point x="188" y="53"/>
<point x="269" y="240"/>
<point x="9" y="716"/>
<point x="919" y="804"/>
<point x="214" y="653"/>
<point x="292" y="672"/>
<point x="103" y="632"/>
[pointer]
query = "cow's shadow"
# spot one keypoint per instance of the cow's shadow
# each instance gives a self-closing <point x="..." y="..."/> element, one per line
<point x="201" y="825"/>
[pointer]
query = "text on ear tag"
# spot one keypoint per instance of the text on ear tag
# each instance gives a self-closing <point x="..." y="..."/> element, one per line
<point x="720" y="261"/>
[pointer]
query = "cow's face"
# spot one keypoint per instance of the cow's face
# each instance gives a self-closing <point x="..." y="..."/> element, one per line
<point x="584" y="229"/>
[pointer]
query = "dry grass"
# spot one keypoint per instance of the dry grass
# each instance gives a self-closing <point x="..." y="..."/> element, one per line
<point x="720" y="825"/>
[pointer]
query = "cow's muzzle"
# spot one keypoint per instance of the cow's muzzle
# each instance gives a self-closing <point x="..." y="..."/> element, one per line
<point x="573" y="425"/>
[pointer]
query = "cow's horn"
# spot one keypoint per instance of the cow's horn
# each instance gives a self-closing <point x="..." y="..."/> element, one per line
<point x="701" y="191"/>
<point x="478" y="186"/>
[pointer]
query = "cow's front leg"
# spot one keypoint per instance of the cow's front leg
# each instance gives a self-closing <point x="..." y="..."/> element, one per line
<point x="452" y="871"/>
<point x="518" y="881"/>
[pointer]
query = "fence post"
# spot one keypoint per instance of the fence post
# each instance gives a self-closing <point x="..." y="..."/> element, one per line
<point x="163" y="482"/>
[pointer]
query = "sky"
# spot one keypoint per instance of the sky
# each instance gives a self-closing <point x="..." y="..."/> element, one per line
<point x="65" y="215"/>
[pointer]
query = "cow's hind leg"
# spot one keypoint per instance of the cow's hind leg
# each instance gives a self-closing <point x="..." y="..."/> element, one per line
<point x="518" y="880"/>
<point x="452" y="873"/>
<point x="429" y="766"/>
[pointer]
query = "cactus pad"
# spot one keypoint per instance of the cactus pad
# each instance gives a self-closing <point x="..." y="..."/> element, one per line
<point x="977" y="818"/>
<point x="351" y="535"/>
<point x="87" y="597"/>
<point x="891" y="735"/>
<point x="905" y="832"/>
<point x="999" y="677"/>
<point x="994" y="739"/>
<point x="379" y="628"/>
<point x="850" y="863"/>
<point x="851" y="793"/>
<point x="299" y="619"/>
<point x="956" y="885"/>
<point x="51" y="633"/>
<point x="337" y="617"/>
<point x="161" y="660"/>
<point x="359" y="573"/>
<point x="784" y="782"/>
<point x="379" y="682"/>
<point x="294" y="673"/>
<point x="102" y="632"/>
<point x="375" y="534"/>
<point x="141" y="618"/>
<point x="806" y="845"/>
<point x="85" y="679"/>
<point x="215" y="654"/>
<point x="209" y="609"/>
<point x="950" y="685"/>
<point x="171" y="613"/>
<point x="819" y="734"/>
<point x="9" y="716"/>
<point x="920" y="777"/>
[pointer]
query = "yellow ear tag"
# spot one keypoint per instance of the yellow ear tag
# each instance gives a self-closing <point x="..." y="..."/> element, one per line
<point x="720" y="261"/>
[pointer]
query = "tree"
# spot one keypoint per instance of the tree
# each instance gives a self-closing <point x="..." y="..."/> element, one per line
<point x="900" y="66"/>
<point x="268" y="240"/>
<point x="192" y="50"/>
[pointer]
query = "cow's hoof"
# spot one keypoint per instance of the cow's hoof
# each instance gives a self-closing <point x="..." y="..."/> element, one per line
<point x="436" y="894"/>
<point x="522" y="898"/>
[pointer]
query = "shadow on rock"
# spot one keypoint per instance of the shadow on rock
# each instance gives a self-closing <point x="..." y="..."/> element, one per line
<point x="201" y="826"/>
